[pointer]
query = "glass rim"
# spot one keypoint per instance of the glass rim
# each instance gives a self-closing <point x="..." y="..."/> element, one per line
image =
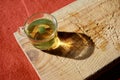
<point x="54" y="21"/>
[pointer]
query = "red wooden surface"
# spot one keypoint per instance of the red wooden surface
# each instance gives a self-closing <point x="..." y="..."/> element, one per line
<point x="13" y="13"/>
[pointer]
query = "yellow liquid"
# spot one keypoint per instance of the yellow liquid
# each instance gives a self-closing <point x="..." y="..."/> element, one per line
<point x="42" y="33"/>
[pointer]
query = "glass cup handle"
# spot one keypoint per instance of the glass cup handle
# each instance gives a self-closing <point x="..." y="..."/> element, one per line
<point x="21" y="31"/>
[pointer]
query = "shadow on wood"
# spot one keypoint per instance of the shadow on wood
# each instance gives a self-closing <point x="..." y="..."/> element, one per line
<point x="79" y="46"/>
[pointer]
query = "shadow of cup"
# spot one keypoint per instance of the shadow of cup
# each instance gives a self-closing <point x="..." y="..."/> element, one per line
<point x="80" y="46"/>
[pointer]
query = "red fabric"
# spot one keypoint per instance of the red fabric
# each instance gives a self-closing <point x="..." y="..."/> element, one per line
<point x="13" y="13"/>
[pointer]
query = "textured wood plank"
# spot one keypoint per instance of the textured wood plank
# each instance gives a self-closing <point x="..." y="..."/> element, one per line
<point x="100" y="20"/>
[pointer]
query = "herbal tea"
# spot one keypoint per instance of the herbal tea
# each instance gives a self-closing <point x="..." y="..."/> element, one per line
<point x="42" y="33"/>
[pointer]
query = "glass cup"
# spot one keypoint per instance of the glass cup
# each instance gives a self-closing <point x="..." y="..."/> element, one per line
<point x="41" y="29"/>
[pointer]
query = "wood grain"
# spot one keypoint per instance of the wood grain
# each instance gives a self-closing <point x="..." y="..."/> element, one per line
<point x="98" y="19"/>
